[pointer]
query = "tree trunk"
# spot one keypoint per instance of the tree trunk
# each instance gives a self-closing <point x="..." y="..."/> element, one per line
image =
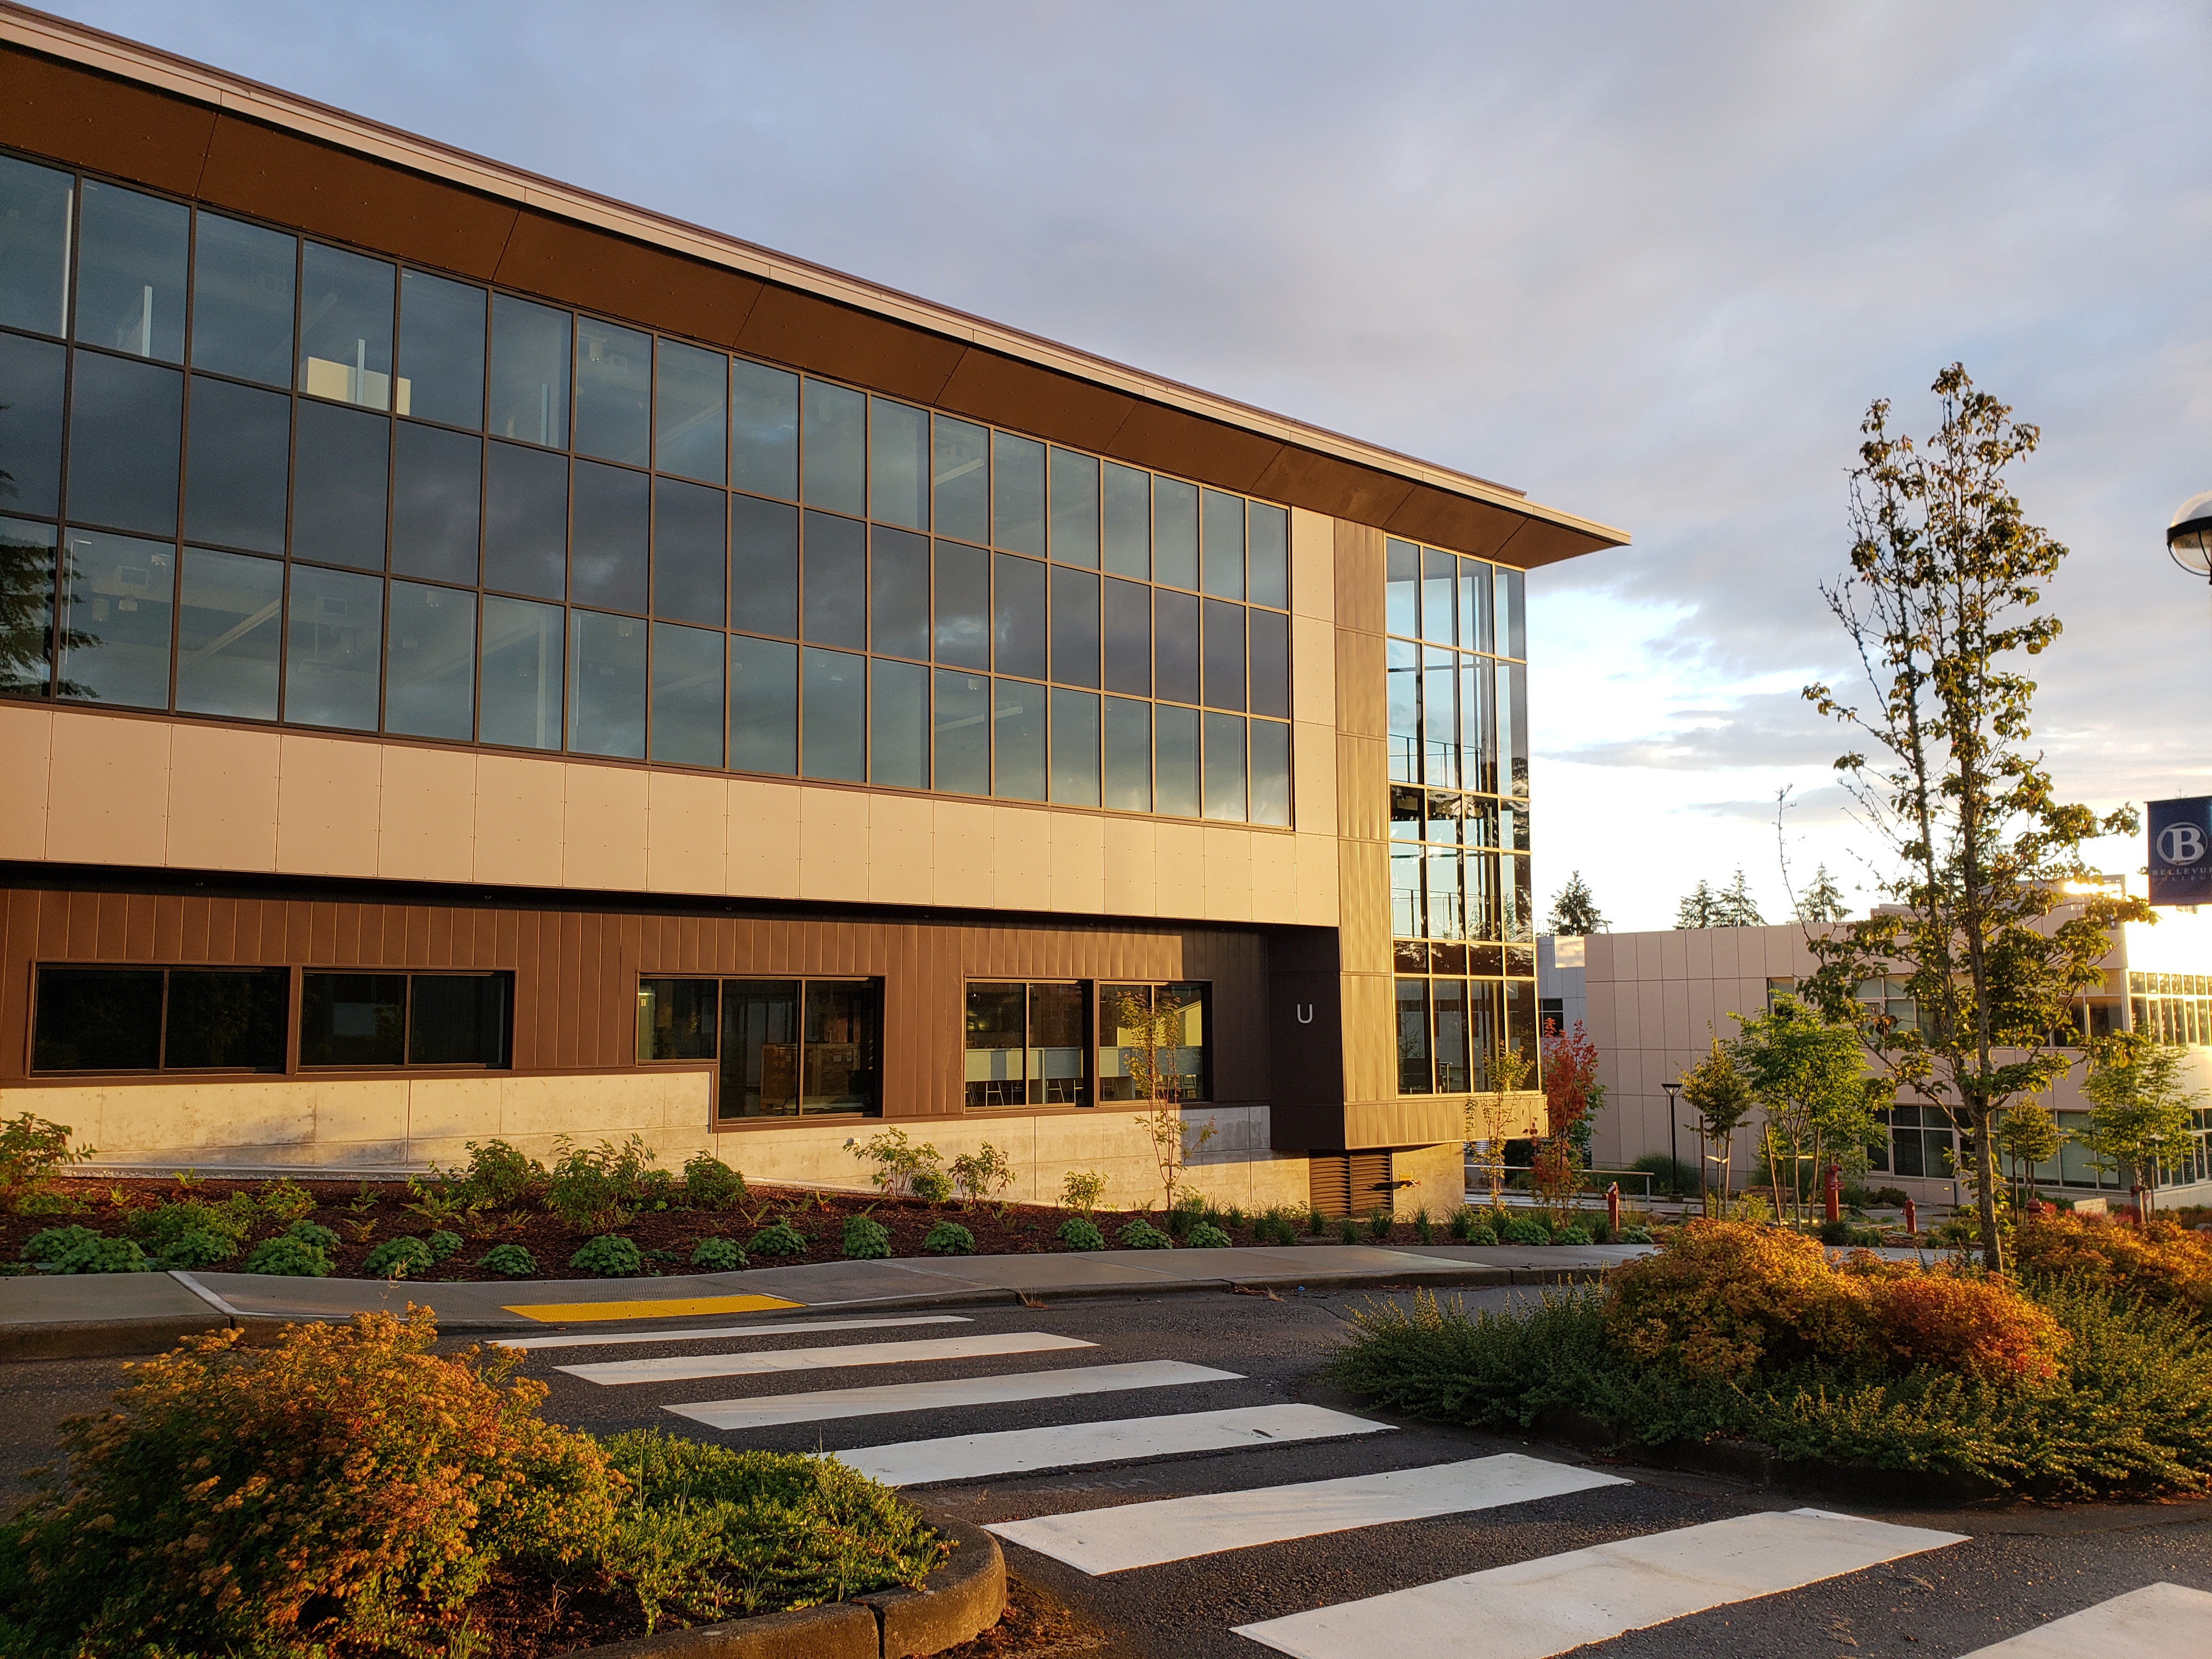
<point x="1985" y="1190"/>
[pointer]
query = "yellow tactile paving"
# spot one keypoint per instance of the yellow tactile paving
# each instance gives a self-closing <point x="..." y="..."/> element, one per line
<point x="569" y="1312"/>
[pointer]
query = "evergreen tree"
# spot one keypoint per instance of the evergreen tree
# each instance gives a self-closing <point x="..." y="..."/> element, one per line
<point x="1824" y="900"/>
<point x="1574" y="910"/>
<point x="1734" y="906"/>
<point x="1698" y="907"/>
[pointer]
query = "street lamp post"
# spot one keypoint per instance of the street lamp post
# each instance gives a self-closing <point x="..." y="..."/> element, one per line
<point x="2189" y="536"/>
<point x="1673" y="1154"/>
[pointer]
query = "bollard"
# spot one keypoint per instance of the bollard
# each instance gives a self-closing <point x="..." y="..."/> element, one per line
<point x="1612" y="1206"/>
<point x="1835" y="1192"/>
<point x="1912" y="1217"/>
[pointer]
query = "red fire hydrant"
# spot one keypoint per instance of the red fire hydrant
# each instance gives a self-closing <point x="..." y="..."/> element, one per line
<point x="1612" y="1206"/>
<point x="1835" y="1192"/>
<point x="1912" y="1217"/>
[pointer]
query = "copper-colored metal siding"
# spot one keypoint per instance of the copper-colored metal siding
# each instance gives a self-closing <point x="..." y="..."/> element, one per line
<point x="576" y="969"/>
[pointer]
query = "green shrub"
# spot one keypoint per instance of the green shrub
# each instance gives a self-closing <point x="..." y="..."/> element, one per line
<point x="32" y="1151"/>
<point x="1573" y="1233"/>
<point x="1347" y="1232"/>
<point x="1180" y="1219"/>
<point x="349" y="1490"/>
<point x="1142" y="1235"/>
<point x="1633" y="1233"/>
<point x="982" y="1174"/>
<point x="901" y="1166"/>
<point x="511" y="1260"/>
<point x="609" y="1255"/>
<point x="285" y="1199"/>
<point x="160" y="1228"/>
<point x="1079" y="1233"/>
<point x="1080" y="1191"/>
<point x="315" y="1234"/>
<point x="1316" y="1223"/>
<point x="1525" y="1230"/>
<point x="1272" y="1227"/>
<point x="1463" y="1221"/>
<point x="397" y="1258"/>
<point x="1425" y="1230"/>
<point x="718" y="1256"/>
<point x="710" y="1184"/>
<point x="1378" y="1223"/>
<point x="949" y="1238"/>
<point x="1843" y="1232"/>
<point x="779" y="1238"/>
<point x="1483" y="1232"/>
<point x="498" y="1172"/>
<point x="867" y="1239"/>
<point x="190" y="1252"/>
<point x="598" y="1188"/>
<point x="52" y="1243"/>
<point x="1670" y="1176"/>
<point x="1207" y="1237"/>
<point x="441" y="1244"/>
<point x="289" y="1255"/>
<point x="931" y="1186"/>
<point x="80" y="1250"/>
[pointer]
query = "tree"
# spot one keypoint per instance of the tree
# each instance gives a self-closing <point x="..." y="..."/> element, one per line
<point x="1719" y="1093"/>
<point x="1574" y="910"/>
<point x="1809" y="1075"/>
<point x="1698" y="907"/>
<point x="1491" y="1117"/>
<point x="1707" y="906"/>
<point x="2027" y="1135"/>
<point x="1939" y="605"/>
<point x="2140" y="1114"/>
<point x="1572" y="1096"/>
<point x="1823" y="901"/>
<point x="1153" y="1064"/>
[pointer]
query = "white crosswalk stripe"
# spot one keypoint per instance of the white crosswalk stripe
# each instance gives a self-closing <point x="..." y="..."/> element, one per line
<point x="827" y="1404"/>
<point x="2159" y="1621"/>
<point x="1071" y="1445"/>
<point x="678" y="1368"/>
<point x="1535" y="1609"/>
<point x="623" y="1338"/>
<point x="1128" y="1536"/>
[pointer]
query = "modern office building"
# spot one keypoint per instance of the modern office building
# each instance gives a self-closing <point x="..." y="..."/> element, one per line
<point x="482" y="660"/>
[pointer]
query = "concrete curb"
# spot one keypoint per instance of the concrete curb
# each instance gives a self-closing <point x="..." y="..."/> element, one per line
<point x="962" y="1599"/>
<point x="102" y="1338"/>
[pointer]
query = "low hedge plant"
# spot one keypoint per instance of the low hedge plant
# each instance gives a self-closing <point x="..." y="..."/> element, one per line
<point x="864" y="1238"/>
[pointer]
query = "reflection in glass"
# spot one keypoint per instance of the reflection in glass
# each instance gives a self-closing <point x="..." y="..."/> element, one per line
<point x="1439" y="724"/>
<point x="1127" y="741"/>
<point x="1511" y="622"/>
<point x="835" y="453"/>
<point x="529" y="372"/>
<point x="525" y="547"/>
<point x="1406" y="916"/>
<point x="345" y="328"/>
<point x="1453" y="1076"/>
<point x="691" y="396"/>
<point x="1017" y="740"/>
<point x="763" y="705"/>
<point x="1128" y="641"/>
<point x="1224" y="655"/>
<point x="340" y="460"/>
<point x="833" y="715"/>
<point x="1224" y="543"/>
<point x="898" y="593"/>
<point x="1224" y="768"/>
<point x="1176" y="770"/>
<point x="226" y="1018"/>
<point x="1412" y="1014"/>
<point x="334" y="641"/>
<point x="33" y="245"/>
<point x="760" y="1048"/>
<point x="1477" y="732"/>
<point x="437" y="491"/>
<point x="441" y="350"/>
<point x="1074" y="508"/>
<point x="1271" y="773"/>
<point x="1129" y="521"/>
<point x="963" y="630"/>
<point x="97" y="1019"/>
<point x="1479" y="871"/>
<point x="614" y="387"/>
<point x="1175" y="533"/>
<point x="1017" y="616"/>
<point x="1075" y="627"/>
<point x="1512" y="728"/>
<point x="1447" y="919"/>
<point x="1181" y="1071"/>
<point x="837" y="1071"/>
<point x="1269" y="556"/>
<point x="523" y="660"/>
<point x="121" y="593"/>
<point x="1516" y="900"/>
<point x="835" y="592"/>
<point x="126" y="429"/>
<point x="898" y="463"/>
<point x="457" y="1019"/>
<point x="429" y="662"/>
<point x="678" y="1018"/>
<point x="131" y="273"/>
<point x="1075" y="747"/>
<point x="898" y="726"/>
<point x="1271" y="663"/>
<point x="242" y="299"/>
<point x="995" y="1045"/>
<point x="1402" y="711"/>
<point x="608" y="529"/>
<point x="1439" y="608"/>
<point x="1059" y="1041"/>
<point x="27" y="611"/>
<point x="687" y="551"/>
<point x="763" y="567"/>
<point x="1474" y="612"/>
<point x="1017" y="493"/>
<point x="352" y="1019"/>
<point x="1402" y="588"/>
<point x="229" y="635"/>
<point x="1520" y="1023"/>
<point x="687" y="696"/>
<point x="239" y="454"/>
<point x="1175" y="647"/>
<point x="962" y="734"/>
<point x="764" y="430"/>
<point x="30" y="372"/>
<point x="606" y="685"/>
<point x="963" y="478"/>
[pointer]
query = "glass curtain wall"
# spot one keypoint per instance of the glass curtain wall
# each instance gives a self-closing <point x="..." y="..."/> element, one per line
<point x="310" y="485"/>
<point x="1463" y="912"/>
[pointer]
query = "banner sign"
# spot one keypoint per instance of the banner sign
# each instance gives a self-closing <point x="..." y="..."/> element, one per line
<point x="2181" y="851"/>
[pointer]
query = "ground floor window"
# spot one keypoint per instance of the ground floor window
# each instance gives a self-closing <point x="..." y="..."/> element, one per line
<point x="146" y="1019"/>
<point x="1152" y="1042"/>
<point x="1449" y="1032"/>
<point x="1920" y="1143"/>
<point x="788" y="1048"/>
<point x="404" y="1019"/>
<point x="1024" y="1044"/>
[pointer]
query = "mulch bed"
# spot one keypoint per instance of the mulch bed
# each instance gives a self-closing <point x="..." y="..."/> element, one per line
<point x="366" y="1213"/>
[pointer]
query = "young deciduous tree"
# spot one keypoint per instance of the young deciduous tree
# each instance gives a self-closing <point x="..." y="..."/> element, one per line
<point x="1809" y="1075"/>
<point x="1493" y="1118"/>
<point x="1572" y="1095"/>
<point x="2142" y="1112"/>
<point x="1153" y="1063"/>
<point x="1719" y="1093"/>
<point x="1940" y="604"/>
<point x="1823" y="901"/>
<point x="2027" y="1135"/>
<point x="1574" y="910"/>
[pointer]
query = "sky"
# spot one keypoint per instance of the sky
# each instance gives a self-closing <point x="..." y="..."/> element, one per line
<point x="1650" y="263"/>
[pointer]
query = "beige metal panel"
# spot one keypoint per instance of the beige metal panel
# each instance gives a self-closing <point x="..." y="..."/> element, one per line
<point x="426" y="808"/>
<point x="1313" y="565"/>
<point x="1229" y="874"/>
<point x="27" y="744"/>
<point x="1362" y="782"/>
<point x="1410" y="1120"/>
<point x="1359" y="569"/>
<point x="327" y="805"/>
<point x="963" y="877"/>
<point x="519" y="806"/>
<point x="1128" y="857"/>
<point x="604" y="827"/>
<point x="901" y="849"/>
<point x="1370" y="1049"/>
<point x="1362" y="692"/>
<point x="1317" y="881"/>
<point x="1179" y="867"/>
<point x="223" y="798"/>
<point x="1021" y="859"/>
<point x="1364" y="905"/>
<point x="833" y="845"/>
<point x="1313" y="777"/>
<point x="1313" y="670"/>
<point x="687" y="834"/>
<point x="1075" y="872"/>
<point x="108" y="790"/>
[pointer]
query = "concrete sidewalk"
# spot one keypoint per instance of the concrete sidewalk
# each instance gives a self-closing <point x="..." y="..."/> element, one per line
<point x="85" y="1316"/>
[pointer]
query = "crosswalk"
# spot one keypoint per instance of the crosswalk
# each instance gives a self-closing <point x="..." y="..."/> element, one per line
<point x="1533" y="1608"/>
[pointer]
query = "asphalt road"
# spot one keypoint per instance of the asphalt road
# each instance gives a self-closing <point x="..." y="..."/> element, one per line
<point x="2018" y="1566"/>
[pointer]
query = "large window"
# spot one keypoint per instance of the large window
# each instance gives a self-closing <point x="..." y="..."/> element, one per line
<point x="418" y="505"/>
<point x="404" y="1019"/>
<point x="1027" y="1044"/>
<point x="786" y="1047"/>
<point x="1159" y="1032"/>
<point x="146" y="1019"/>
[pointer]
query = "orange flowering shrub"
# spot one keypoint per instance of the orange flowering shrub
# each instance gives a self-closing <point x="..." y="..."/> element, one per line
<point x="344" y="1484"/>
<point x="1965" y="1322"/>
<point x="2165" y="1261"/>
<point x="1724" y="1296"/>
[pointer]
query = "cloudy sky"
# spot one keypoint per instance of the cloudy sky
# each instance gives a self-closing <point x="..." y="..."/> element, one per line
<point x="1647" y="262"/>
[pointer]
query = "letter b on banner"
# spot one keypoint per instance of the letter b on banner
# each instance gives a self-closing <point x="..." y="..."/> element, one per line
<point x="2181" y="851"/>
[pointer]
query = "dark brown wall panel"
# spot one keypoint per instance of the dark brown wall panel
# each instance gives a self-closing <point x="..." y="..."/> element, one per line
<point x="1156" y="435"/>
<point x="581" y="266"/>
<point x="96" y="121"/>
<point x="1031" y="398"/>
<point x="808" y="332"/>
<point x="1341" y="488"/>
<point x="1535" y="544"/>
